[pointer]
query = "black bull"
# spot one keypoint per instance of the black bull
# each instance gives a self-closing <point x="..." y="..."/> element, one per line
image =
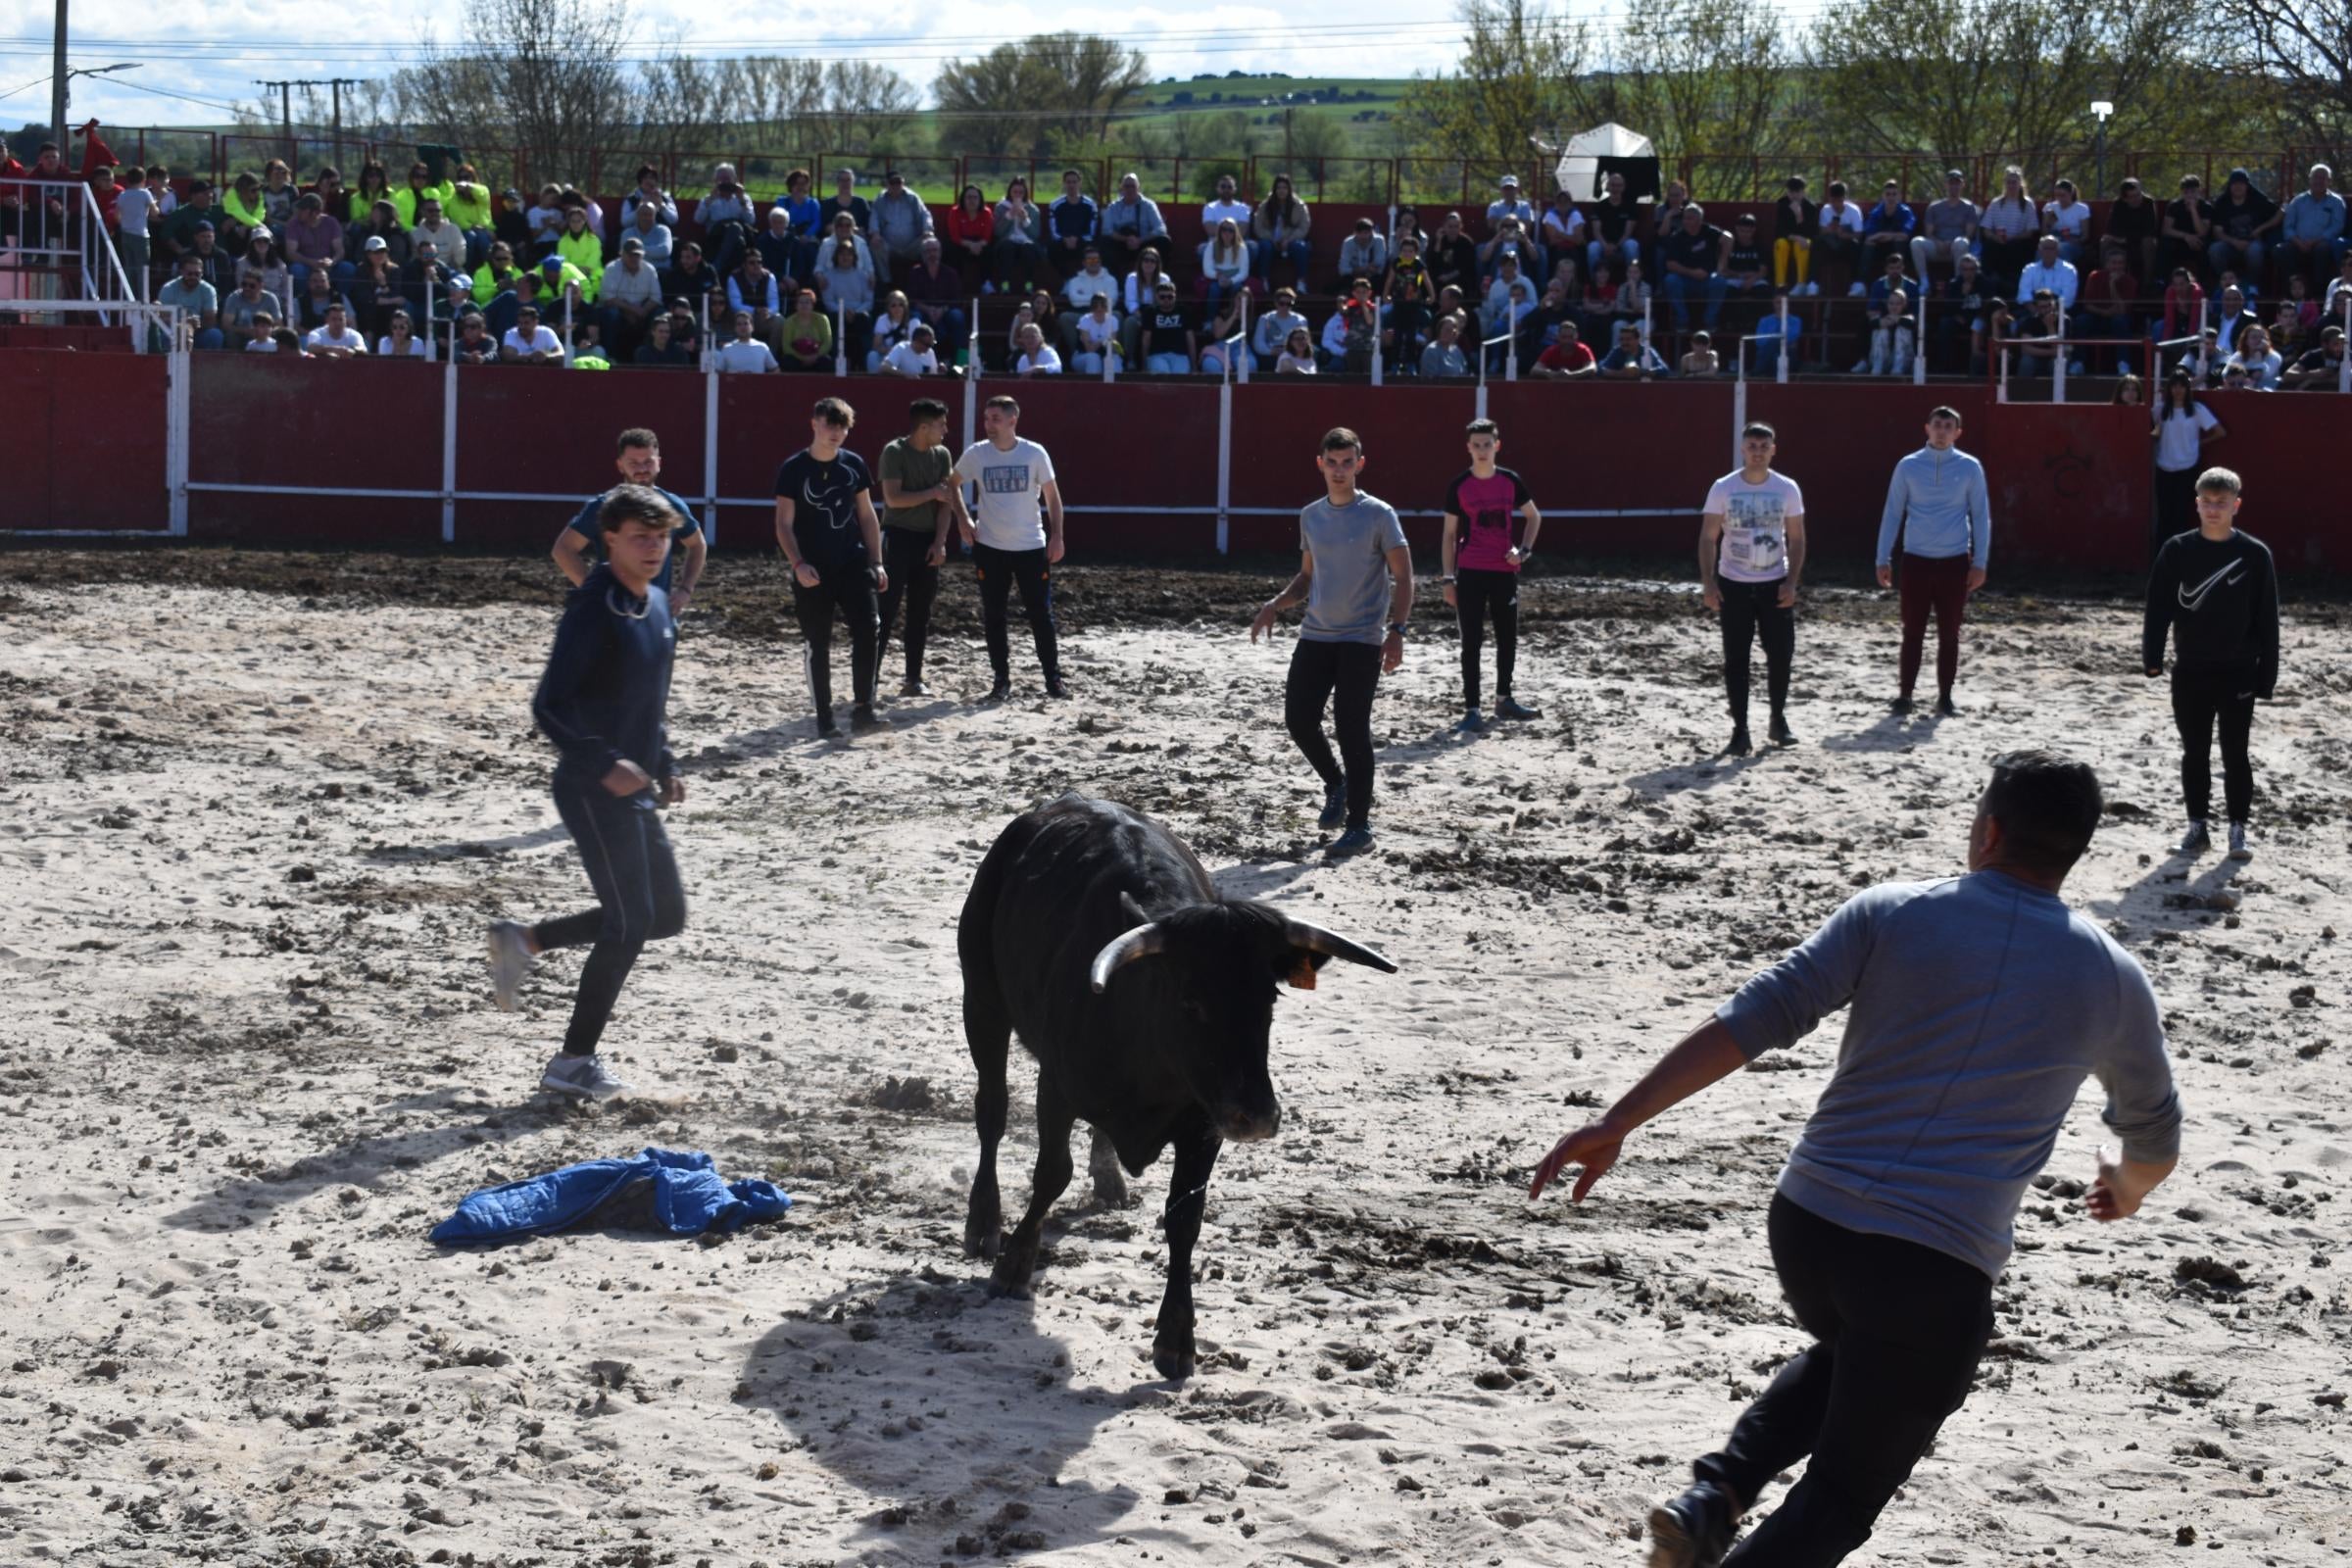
<point x="1097" y="936"/>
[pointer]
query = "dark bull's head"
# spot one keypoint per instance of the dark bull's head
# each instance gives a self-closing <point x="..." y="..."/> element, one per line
<point x="1208" y="994"/>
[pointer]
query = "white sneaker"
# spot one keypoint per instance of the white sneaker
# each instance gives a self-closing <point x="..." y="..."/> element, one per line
<point x="2197" y="840"/>
<point x="584" y="1076"/>
<point x="2240" y="848"/>
<point x="509" y="961"/>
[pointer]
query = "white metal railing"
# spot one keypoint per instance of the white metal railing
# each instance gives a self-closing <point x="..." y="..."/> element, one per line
<point x="73" y="243"/>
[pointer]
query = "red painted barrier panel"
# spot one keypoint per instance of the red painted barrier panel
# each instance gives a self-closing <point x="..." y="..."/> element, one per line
<point x="2284" y="446"/>
<point x="540" y="430"/>
<point x="274" y="420"/>
<point x="1592" y="446"/>
<point x="1146" y="449"/>
<point x="2070" y="487"/>
<point x="85" y="440"/>
<point x="1841" y="441"/>
<point x="1413" y="446"/>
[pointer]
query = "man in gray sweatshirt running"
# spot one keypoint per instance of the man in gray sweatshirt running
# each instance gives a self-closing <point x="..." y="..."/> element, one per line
<point x="1980" y="1003"/>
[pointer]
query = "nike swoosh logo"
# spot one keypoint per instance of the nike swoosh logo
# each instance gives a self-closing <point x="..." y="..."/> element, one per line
<point x="2192" y="599"/>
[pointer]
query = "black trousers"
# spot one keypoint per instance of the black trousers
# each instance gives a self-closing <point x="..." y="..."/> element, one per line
<point x="638" y="896"/>
<point x="2201" y="696"/>
<point x="906" y="558"/>
<point x="851" y="588"/>
<point x="1477" y="595"/>
<point x="1000" y="571"/>
<point x="1751" y="608"/>
<point x="2176" y="505"/>
<point x="1898" y="1329"/>
<point x="1343" y="675"/>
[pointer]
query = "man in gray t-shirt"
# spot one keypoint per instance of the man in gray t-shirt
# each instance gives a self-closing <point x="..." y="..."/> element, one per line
<point x="1980" y="1003"/>
<point x="1355" y="577"/>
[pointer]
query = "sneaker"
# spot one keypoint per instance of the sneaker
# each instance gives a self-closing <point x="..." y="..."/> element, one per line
<point x="1472" y="721"/>
<point x="1335" y="807"/>
<point x="2240" y="848"/>
<point x="1740" y="745"/>
<point x="1901" y="704"/>
<point x="1691" y="1530"/>
<point x="914" y="687"/>
<point x="1780" y="734"/>
<point x="584" y="1076"/>
<point x="826" y="729"/>
<point x="1512" y="707"/>
<point x="1354" y="841"/>
<point x="1056" y="688"/>
<point x="1946" y="708"/>
<point x="509" y="961"/>
<point x="1000" y="691"/>
<point x="864" y="721"/>
<point x="2197" y="840"/>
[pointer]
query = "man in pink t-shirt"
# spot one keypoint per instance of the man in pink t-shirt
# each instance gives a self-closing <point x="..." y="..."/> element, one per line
<point x="1482" y="567"/>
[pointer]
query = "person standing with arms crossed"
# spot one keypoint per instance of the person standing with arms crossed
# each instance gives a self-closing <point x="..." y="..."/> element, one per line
<point x="827" y="527"/>
<point x="639" y="461"/>
<point x="1011" y="547"/>
<point x="1751" y="556"/>
<point x="1980" y="1003"/>
<point x="1355" y="577"/>
<point x="604" y="701"/>
<point x="1481" y="569"/>
<point x="1937" y="500"/>
<point x="922" y="504"/>
<point x="2216" y="592"/>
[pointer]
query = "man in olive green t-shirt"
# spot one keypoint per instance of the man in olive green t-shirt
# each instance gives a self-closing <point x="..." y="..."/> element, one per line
<point x="922" y="502"/>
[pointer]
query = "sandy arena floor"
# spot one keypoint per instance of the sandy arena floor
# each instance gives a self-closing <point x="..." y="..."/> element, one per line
<point x="255" y="810"/>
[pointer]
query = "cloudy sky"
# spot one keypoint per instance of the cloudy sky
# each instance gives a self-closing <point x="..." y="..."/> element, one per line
<point x="210" y="56"/>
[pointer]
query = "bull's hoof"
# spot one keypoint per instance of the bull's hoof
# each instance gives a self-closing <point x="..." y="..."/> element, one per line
<point x="1008" y="1280"/>
<point x="1174" y="1362"/>
<point x="983" y="1242"/>
<point x="1110" y="1187"/>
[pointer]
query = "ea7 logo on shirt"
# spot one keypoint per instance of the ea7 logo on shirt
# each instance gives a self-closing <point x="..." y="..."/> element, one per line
<point x="2194" y="599"/>
<point x="1005" y="481"/>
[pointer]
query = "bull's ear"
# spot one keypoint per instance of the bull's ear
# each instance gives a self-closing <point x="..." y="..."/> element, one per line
<point x="1301" y="975"/>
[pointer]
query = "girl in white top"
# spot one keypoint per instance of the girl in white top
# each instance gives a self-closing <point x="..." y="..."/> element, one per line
<point x="2068" y="216"/>
<point x="401" y="342"/>
<point x="1036" y="355"/>
<point x="892" y="328"/>
<point x="1098" y="336"/>
<point x="1225" y="259"/>
<point x="1298" y="355"/>
<point x="2255" y="356"/>
<point x="1142" y="283"/>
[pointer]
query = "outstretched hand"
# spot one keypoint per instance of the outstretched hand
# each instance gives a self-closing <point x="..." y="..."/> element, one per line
<point x="1595" y="1146"/>
<point x="1262" y="623"/>
<point x="2110" y="1196"/>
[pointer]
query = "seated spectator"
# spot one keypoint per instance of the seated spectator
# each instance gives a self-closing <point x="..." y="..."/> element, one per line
<point x="382" y="223"/>
<point x="546" y="220"/>
<point x="176" y="233"/>
<point x="970" y="230"/>
<point x="1744" y="257"/>
<point x="432" y="223"/>
<point x="1701" y="360"/>
<point x="318" y="291"/>
<point x="2010" y="229"/>
<point x="260" y="257"/>
<point x="241" y="209"/>
<point x="917" y="357"/>
<point x="1278" y="230"/>
<point x="1541" y="326"/>
<point x="474" y="345"/>
<point x="1633" y="297"/>
<point x="1837" y="244"/>
<point x="1891" y="280"/>
<point x="334" y="338"/>
<point x="1019" y="239"/>
<point x="1776" y="333"/>
<point x="935" y="291"/>
<point x="1887" y="228"/>
<point x="1275" y="327"/>
<point x="2287" y="329"/>
<point x="2066" y="217"/>
<point x="2183" y="304"/>
<point x="845" y="202"/>
<point x="1961" y="308"/>
<point x="1694" y="256"/>
<point x="1893" y="339"/>
<point x="433" y="292"/>
<point x="246" y="301"/>
<point x="1615" y="218"/>
<point x="582" y="249"/>
<point x="2243" y="219"/>
<point x="743" y="354"/>
<point x="1633" y="359"/>
<point x="1331" y="345"/>
<point x="408" y="200"/>
<point x="902" y="223"/>
<point x="1228" y="205"/>
<point x="1444" y="357"/>
<point x="1297" y="356"/>
<point x="629" y="295"/>
<point x="2128" y="393"/>
<point x="652" y="236"/>
<point x="1507" y="305"/>
<point x="893" y="326"/>
<point x="1042" y="309"/>
<point x="2132" y="221"/>
<point x="780" y="249"/>
<point x="1071" y="224"/>
<point x="1090" y="279"/>
<point x="1362" y="253"/>
<point x="1167" y="334"/>
<point x="2312" y="230"/>
<point x="1514" y="240"/>
<point x="377" y="291"/>
<point x="1567" y="359"/>
<point x="1406" y="225"/>
<point x="1410" y="296"/>
<point x="2104" y="309"/>
<point x="806" y="335"/>
<point x="469" y="207"/>
<point x="648" y="193"/>
<point x="2254" y="355"/>
<point x="690" y="278"/>
<point x="1095" y="336"/>
<point x="287" y="342"/>
<point x="1225" y="267"/>
<point x="1669" y="216"/>
<point x="261" y="333"/>
<point x="401" y="341"/>
<point x="847" y="293"/>
<point x="218" y="267"/>
<point x="661" y="349"/>
<point x="1601" y="305"/>
<point x="2231" y="316"/>
<point x="1132" y="226"/>
<point x="588" y="349"/>
<point x="687" y="330"/>
<point x="2186" y="232"/>
<point x="803" y="213"/>
<point x="527" y="342"/>
<point x="564" y="291"/>
<point x="2051" y="271"/>
<point x="726" y="219"/>
<point x="1509" y="204"/>
<point x="1947" y="231"/>
<point x="1360" y="312"/>
<point x="753" y="291"/>
<point x="2000" y="329"/>
<point x="497" y="273"/>
<point x="1451" y="257"/>
<point x="2318" y="369"/>
<point x="2040" y="332"/>
<point x="278" y="193"/>
<point x="1037" y="357"/>
<point x="314" y="239"/>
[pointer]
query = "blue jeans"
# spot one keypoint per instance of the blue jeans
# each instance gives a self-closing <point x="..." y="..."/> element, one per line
<point x="2223" y="254"/>
<point x="1768" y="356"/>
<point x="1678" y="290"/>
<point x="638" y="896"/>
<point x="1597" y="251"/>
<point x="1293" y="250"/>
<point x="949" y="328"/>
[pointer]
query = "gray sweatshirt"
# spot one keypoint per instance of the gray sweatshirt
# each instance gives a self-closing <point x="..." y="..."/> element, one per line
<point x="1980" y="1005"/>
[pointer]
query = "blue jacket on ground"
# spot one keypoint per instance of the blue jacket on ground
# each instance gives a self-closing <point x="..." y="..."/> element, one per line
<point x="688" y="1199"/>
<point x="1938" y="499"/>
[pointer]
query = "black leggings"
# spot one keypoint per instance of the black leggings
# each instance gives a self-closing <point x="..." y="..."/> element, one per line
<point x="2176" y="505"/>
<point x="1000" y="571"/>
<point x="638" y="895"/>
<point x="850" y="586"/>
<point x="1345" y="675"/>
<point x="1898" y="1329"/>
<point x="1750" y="609"/>
<point x="2200" y="697"/>
<point x="906" y="558"/>
<point x="1477" y="595"/>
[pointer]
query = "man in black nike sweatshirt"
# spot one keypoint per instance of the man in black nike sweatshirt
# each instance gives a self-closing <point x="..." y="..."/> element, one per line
<point x="2217" y="591"/>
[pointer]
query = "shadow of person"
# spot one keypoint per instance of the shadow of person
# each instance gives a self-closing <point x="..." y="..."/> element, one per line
<point x="1250" y="880"/>
<point x="949" y="1408"/>
<point x="2174" y="894"/>
<point x="1700" y="773"/>
<point x="1891" y="732"/>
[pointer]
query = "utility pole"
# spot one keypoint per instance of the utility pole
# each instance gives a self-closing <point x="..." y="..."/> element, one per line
<point x="286" y="107"/>
<point x="336" y="85"/>
<point x="57" y="84"/>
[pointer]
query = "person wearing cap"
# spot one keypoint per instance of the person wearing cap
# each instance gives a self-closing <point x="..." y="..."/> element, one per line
<point x="629" y="292"/>
<point x="563" y="288"/>
<point x="1947" y="230"/>
<point x="1363" y="254"/>
<point x="375" y="290"/>
<point x="260" y="257"/>
<point x="902" y="223"/>
<point x="1509" y="204"/>
<point x="916" y="355"/>
<point x="1273" y="329"/>
<point x="2241" y="215"/>
<point x="1132" y="226"/>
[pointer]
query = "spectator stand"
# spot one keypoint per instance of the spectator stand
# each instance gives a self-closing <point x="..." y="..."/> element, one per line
<point x="60" y="250"/>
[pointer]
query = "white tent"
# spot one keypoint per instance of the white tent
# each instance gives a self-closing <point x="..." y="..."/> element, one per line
<point x="1580" y="161"/>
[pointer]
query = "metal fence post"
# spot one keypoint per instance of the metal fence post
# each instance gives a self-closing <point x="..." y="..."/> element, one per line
<point x="448" y="449"/>
<point x="1225" y="462"/>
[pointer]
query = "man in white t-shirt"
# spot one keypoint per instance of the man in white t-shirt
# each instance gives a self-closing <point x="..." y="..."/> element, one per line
<point x="1752" y="552"/>
<point x="526" y="342"/>
<point x="744" y="351"/>
<point x="915" y="356"/>
<point x="335" y="339"/>
<point x="1011" y="545"/>
<point x="1227" y="205"/>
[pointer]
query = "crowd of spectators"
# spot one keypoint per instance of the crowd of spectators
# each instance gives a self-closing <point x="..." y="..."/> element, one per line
<point x="2237" y="285"/>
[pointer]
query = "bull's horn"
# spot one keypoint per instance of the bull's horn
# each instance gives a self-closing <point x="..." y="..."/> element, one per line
<point x="1142" y="941"/>
<point x="1315" y="939"/>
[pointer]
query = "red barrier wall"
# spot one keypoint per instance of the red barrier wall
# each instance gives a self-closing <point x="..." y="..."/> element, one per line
<point x="1412" y="445"/>
<point x="265" y="418"/>
<point x="2286" y="446"/>
<point x="531" y="429"/>
<point x="84" y="440"/>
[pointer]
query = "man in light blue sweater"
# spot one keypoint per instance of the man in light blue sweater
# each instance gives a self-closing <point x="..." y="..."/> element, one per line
<point x="1936" y="501"/>
<point x="1980" y="1003"/>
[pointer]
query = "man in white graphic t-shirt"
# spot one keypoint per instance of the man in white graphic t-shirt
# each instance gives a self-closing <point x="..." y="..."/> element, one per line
<point x="1011" y="544"/>
<point x="1752" y="552"/>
